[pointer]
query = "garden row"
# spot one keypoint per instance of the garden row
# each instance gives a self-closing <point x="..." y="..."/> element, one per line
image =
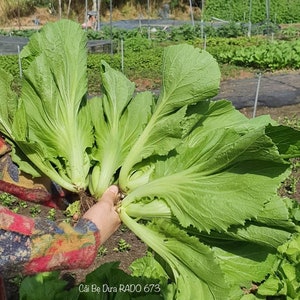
<point x="267" y="56"/>
<point x="183" y="32"/>
<point x="142" y="57"/>
<point x="282" y="11"/>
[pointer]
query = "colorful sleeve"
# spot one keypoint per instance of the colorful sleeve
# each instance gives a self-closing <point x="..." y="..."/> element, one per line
<point x="30" y="246"/>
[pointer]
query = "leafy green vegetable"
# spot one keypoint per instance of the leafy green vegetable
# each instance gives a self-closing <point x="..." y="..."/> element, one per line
<point x="117" y="125"/>
<point x="268" y="55"/>
<point x="199" y="179"/>
<point x="200" y="167"/>
<point x="8" y="108"/>
<point x="45" y="286"/>
<point x="50" y="125"/>
<point x="195" y="271"/>
<point x="183" y="85"/>
<point x="284" y="279"/>
<point x="203" y="164"/>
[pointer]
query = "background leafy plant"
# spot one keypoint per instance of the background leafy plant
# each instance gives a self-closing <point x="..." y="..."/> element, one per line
<point x="142" y="58"/>
<point x="281" y="11"/>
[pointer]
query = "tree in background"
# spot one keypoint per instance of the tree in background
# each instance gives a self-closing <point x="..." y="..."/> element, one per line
<point x="10" y="9"/>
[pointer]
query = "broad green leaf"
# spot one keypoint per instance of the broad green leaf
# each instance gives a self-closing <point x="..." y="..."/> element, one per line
<point x="276" y="214"/>
<point x="8" y="111"/>
<point x="53" y="94"/>
<point x="245" y="255"/>
<point x="287" y="139"/>
<point x="46" y="286"/>
<point x="223" y="173"/>
<point x="215" y="114"/>
<point x="215" y="201"/>
<point x="186" y="79"/>
<point x="285" y="279"/>
<point x="192" y="264"/>
<point x="211" y="184"/>
<point x="149" y="267"/>
<point x="185" y="82"/>
<point x="244" y="263"/>
<point x="272" y="287"/>
<point x="9" y="104"/>
<point x="291" y="249"/>
<point x="118" y="121"/>
<point x="261" y="235"/>
<point x="118" y="90"/>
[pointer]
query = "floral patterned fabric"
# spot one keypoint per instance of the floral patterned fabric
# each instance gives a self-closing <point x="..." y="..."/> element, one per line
<point x="30" y="246"/>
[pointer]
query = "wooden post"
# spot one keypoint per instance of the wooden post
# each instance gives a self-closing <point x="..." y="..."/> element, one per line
<point x="69" y="8"/>
<point x="19" y="21"/>
<point x="98" y="14"/>
<point x="110" y="22"/>
<point x="59" y="8"/>
<point x="250" y="13"/>
<point x="192" y="13"/>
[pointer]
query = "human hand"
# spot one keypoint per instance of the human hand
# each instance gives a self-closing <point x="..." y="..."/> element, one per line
<point x="104" y="215"/>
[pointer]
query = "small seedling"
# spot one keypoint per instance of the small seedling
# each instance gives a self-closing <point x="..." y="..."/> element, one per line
<point x="23" y="204"/>
<point x="35" y="210"/>
<point x="7" y="200"/>
<point x="102" y="251"/>
<point x="52" y="214"/>
<point x="73" y="209"/>
<point x="123" y="246"/>
<point x="16" y="209"/>
<point x="123" y="228"/>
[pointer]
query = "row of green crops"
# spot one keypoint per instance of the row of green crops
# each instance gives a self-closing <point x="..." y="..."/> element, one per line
<point x="143" y="57"/>
<point x="182" y="33"/>
<point x="282" y="11"/>
<point x="270" y="55"/>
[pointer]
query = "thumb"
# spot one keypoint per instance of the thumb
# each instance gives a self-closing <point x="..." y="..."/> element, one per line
<point x="111" y="194"/>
